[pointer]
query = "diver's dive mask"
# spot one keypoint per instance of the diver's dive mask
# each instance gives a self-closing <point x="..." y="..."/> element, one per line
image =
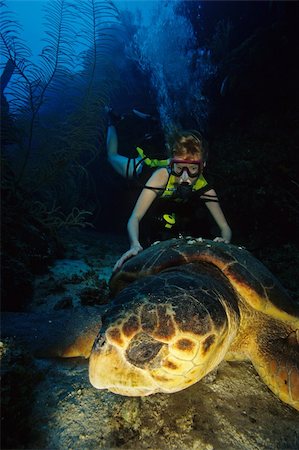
<point x="193" y="168"/>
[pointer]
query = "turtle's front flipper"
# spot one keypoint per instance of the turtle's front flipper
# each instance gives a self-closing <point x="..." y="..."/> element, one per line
<point x="67" y="333"/>
<point x="276" y="359"/>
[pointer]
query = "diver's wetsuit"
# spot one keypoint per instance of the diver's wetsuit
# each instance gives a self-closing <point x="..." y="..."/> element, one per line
<point x="177" y="213"/>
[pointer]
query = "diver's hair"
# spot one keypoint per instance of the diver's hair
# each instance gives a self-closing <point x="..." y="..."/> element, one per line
<point x="189" y="142"/>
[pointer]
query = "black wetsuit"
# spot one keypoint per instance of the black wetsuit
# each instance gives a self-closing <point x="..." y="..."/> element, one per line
<point x="190" y="215"/>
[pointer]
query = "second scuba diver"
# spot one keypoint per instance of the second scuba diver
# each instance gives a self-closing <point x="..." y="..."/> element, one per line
<point x="176" y="186"/>
<point x="148" y="143"/>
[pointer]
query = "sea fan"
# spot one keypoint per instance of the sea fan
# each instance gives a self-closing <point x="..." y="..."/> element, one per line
<point x="13" y="49"/>
<point x="97" y="37"/>
<point x="30" y="83"/>
<point x="78" y="119"/>
<point x="58" y="56"/>
<point x="65" y="92"/>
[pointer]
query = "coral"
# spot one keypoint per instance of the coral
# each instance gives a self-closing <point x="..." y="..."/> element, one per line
<point x="54" y="219"/>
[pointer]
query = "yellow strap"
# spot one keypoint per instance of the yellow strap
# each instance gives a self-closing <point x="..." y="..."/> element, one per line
<point x="152" y="162"/>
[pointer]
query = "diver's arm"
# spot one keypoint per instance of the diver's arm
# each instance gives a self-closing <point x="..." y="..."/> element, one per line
<point x="217" y="213"/>
<point x="145" y="199"/>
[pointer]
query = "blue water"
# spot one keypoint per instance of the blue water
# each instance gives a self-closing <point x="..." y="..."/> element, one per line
<point x="163" y="46"/>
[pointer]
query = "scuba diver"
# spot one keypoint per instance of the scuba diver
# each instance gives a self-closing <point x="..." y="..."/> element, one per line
<point x="173" y="195"/>
<point x="148" y="144"/>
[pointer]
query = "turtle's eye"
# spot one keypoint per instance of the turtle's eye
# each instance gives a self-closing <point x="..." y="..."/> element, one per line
<point x="99" y="341"/>
<point x="142" y="350"/>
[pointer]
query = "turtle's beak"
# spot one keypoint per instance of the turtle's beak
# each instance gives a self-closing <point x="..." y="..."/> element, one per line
<point x="109" y="370"/>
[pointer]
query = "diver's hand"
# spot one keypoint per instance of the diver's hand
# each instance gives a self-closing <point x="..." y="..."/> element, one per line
<point x="226" y="235"/>
<point x="134" y="250"/>
<point x="221" y="239"/>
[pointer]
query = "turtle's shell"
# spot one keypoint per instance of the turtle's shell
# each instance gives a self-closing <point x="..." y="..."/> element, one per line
<point x="251" y="279"/>
<point x="184" y="305"/>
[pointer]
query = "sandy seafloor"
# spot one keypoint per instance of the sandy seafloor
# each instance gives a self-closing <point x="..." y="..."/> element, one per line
<point x="50" y="404"/>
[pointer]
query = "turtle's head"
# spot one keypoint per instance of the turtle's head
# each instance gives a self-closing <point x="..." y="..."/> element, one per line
<point x="159" y="348"/>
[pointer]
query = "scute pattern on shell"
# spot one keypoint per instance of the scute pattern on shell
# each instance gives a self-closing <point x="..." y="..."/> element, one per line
<point x="181" y="307"/>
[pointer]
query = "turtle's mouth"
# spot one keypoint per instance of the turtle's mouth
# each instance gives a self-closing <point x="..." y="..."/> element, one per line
<point x="108" y="369"/>
<point x="130" y="391"/>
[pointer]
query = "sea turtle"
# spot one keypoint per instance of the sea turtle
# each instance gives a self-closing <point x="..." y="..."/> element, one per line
<point x="184" y="305"/>
<point x="180" y="308"/>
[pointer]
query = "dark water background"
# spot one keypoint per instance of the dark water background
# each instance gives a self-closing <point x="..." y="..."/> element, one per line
<point x="228" y="69"/>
